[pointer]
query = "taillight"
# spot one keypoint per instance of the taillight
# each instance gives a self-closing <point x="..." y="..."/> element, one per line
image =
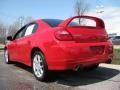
<point x="103" y="38"/>
<point x="106" y="38"/>
<point x="109" y="49"/>
<point x="63" y="35"/>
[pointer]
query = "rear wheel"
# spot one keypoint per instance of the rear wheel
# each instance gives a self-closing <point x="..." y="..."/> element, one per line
<point x="39" y="66"/>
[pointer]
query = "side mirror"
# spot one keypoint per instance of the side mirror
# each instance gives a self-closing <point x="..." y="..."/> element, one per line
<point x="9" y="38"/>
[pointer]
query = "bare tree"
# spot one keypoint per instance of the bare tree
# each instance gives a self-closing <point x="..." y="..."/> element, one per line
<point x="14" y="27"/>
<point x="81" y="7"/>
<point x="28" y="19"/>
<point x="21" y="21"/>
<point x="24" y="20"/>
<point x="6" y="30"/>
<point x="2" y="32"/>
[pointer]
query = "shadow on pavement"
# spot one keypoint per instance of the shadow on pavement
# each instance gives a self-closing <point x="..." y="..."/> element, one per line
<point x="22" y="66"/>
<point x="79" y="78"/>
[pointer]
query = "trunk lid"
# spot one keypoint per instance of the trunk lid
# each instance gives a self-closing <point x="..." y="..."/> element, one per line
<point x="85" y="34"/>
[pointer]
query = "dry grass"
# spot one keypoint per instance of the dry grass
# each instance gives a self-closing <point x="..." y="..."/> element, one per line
<point x="116" y="59"/>
<point x="1" y="46"/>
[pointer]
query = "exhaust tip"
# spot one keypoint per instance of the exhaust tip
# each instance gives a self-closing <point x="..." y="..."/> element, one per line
<point x="77" y="67"/>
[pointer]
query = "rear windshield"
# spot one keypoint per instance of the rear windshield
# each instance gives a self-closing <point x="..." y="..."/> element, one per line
<point x="56" y="22"/>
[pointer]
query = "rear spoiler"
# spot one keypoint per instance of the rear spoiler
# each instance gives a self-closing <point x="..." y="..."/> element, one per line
<point x="99" y="22"/>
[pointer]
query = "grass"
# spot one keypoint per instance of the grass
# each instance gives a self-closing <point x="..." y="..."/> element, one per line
<point x="116" y="58"/>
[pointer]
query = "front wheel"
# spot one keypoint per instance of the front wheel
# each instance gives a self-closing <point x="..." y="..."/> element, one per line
<point x="39" y="66"/>
<point x="6" y="55"/>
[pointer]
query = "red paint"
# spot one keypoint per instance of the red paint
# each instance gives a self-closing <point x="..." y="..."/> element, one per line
<point x="64" y="47"/>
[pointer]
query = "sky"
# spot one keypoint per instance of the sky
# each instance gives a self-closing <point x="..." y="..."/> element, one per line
<point x="10" y="10"/>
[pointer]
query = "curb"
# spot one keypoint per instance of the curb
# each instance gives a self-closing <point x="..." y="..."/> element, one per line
<point x="114" y="66"/>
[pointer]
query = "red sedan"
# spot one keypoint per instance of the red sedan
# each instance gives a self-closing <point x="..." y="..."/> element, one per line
<point x="53" y="44"/>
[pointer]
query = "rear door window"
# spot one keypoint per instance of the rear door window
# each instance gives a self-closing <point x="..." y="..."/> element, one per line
<point x="26" y="30"/>
<point x="31" y="28"/>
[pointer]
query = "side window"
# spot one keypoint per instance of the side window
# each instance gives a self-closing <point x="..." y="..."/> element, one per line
<point x="26" y="30"/>
<point x="20" y="33"/>
<point x="29" y="29"/>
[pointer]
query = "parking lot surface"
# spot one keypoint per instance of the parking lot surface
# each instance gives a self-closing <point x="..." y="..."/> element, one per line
<point x="19" y="77"/>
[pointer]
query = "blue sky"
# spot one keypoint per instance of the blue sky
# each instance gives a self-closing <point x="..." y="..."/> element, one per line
<point x="10" y="10"/>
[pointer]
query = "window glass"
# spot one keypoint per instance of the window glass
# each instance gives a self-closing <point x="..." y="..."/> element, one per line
<point x="56" y="22"/>
<point x="73" y="23"/>
<point x="82" y="22"/>
<point x="26" y="30"/>
<point x="29" y="29"/>
<point x="20" y="33"/>
<point x="52" y="22"/>
<point x="117" y="37"/>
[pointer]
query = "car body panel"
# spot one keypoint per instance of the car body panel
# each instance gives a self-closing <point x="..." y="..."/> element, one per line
<point x="77" y="54"/>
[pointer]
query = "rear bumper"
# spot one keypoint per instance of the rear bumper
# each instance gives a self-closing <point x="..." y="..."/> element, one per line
<point x="68" y="55"/>
<point x="71" y="64"/>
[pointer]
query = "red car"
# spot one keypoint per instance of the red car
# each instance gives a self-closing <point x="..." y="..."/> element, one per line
<point x="53" y="44"/>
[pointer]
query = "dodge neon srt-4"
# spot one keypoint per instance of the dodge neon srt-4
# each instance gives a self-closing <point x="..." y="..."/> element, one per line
<point x="53" y="44"/>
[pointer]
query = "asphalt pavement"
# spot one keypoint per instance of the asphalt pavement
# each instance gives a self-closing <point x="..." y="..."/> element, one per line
<point x="19" y="77"/>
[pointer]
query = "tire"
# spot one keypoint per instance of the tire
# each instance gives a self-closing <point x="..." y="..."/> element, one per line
<point x="39" y="66"/>
<point x="109" y="61"/>
<point x="91" y="67"/>
<point x="6" y="55"/>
